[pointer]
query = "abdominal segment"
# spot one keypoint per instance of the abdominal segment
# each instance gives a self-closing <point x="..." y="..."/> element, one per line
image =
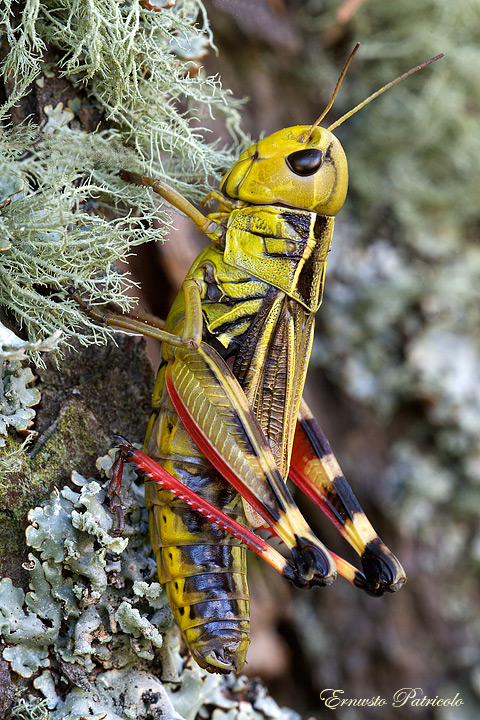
<point x="202" y="567"/>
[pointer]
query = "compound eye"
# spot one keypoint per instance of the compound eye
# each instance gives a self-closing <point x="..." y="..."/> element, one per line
<point x="305" y="162"/>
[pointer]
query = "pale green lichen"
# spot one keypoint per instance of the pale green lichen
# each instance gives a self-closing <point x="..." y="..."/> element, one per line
<point x="59" y="229"/>
<point x="56" y="244"/>
<point x="70" y="579"/>
<point x="46" y="685"/>
<point x="57" y="117"/>
<point x="18" y="626"/>
<point x="30" y="709"/>
<point x="16" y="397"/>
<point x="14" y="348"/>
<point x="132" y="60"/>
<point x="95" y="608"/>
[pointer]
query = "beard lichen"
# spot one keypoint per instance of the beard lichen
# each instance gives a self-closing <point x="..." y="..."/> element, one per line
<point x="67" y="217"/>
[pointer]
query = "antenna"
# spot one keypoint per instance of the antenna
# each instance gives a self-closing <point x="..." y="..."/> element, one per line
<point x="305" y="137"/>
<point x="379" y="92"/>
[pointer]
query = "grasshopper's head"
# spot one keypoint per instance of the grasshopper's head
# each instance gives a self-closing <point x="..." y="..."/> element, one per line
<point x="298" y="167"/>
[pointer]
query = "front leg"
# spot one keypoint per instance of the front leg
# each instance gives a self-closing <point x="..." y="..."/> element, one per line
<point x="149" y="325"/>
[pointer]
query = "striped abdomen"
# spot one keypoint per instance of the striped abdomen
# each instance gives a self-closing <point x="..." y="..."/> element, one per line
<point x="264" y="334"/>
<point x="203" y="568"/>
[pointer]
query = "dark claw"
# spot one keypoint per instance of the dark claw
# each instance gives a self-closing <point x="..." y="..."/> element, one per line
<point x="383" y="572"/>
<point x="312" y="567"/>
<point x="119" y="522"/>
<point x="124" y="445"/>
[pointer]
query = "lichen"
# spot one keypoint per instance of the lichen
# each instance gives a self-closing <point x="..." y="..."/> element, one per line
<point x="62" y="185"/>
<point x="17" y="398"/>
<point x="78" y="576"/>
<point x="72" y="564"/>
<point x="95" y="612"/>
<point x="57" y="244"/>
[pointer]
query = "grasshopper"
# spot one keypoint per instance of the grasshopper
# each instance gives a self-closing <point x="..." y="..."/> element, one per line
<point x="229" y="424"/>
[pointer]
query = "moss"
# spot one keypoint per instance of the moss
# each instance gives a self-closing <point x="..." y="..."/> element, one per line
<point x="16" y="493"/>
<point x="77" y="433"/>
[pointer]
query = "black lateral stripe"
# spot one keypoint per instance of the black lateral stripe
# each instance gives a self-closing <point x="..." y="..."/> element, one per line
<point x="217" y="294"/>
<point x="299" y="221"/>
<point x="229" y="327"/>
<point x="290" y="255"/>
<point x="316" y="437"/>
<point x="306" y="279"/>
<point x="241" y="281"/>
<point x="321" y="223"/>
<point x="341" y="492"/>
<point x="259" y="233"/>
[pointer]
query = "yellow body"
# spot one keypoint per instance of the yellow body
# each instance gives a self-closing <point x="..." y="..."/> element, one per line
<point x="261" y="283"/>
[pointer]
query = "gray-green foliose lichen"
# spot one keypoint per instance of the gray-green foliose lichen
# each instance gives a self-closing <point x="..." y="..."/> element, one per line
<point x="16" y="397"/>
<point x="96" y="621"/>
